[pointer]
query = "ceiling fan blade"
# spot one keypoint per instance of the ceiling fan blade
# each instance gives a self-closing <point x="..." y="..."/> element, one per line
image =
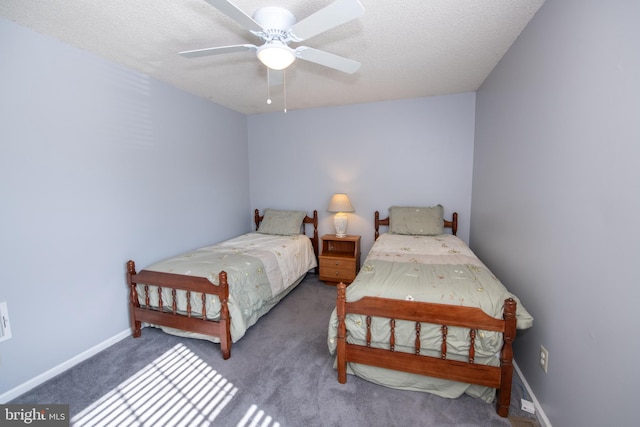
<point x="217" y="50"/>
<point x="233" y="12"/>
<point x="276" y="77"/>
<point x="335" y="14"/>
<point x="327" y="59"/>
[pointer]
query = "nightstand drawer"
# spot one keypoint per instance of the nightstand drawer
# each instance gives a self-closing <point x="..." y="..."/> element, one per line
<point x="332" y="274"/>
<point x="346" y="263"/>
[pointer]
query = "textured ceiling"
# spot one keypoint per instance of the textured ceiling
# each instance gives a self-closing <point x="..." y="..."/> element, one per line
<point x="408" y="49"/>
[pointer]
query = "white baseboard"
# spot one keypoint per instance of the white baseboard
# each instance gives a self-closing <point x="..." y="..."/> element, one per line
<point x="25" y="387"/>
<point x="540" y="415"/>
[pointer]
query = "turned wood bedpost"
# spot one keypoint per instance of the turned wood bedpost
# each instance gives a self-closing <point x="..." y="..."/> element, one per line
<point x="256" y="218"/>
<point x="342" y="332"/>
<point x="506" y="358"/>
<point x="225" y="320"/>
<point x="454" y="224"/>
<point x="133" y="299"/>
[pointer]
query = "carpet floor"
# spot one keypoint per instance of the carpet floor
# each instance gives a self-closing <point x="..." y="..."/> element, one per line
<point x="279" y="374"/>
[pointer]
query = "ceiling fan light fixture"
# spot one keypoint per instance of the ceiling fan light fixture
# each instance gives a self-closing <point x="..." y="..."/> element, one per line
<point x="276" y="56"/>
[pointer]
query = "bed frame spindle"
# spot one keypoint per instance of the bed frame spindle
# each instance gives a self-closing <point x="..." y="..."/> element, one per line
<point x="443" y="351"/>
<point x="472" y="345"/>
<point x="392" y="338"/>
<point x="160" y="299"/>
<point x="174" y="304"/>
<point x="147" y="301"/>
<point x="188" y="303"/>
<point x="418" y="328"/>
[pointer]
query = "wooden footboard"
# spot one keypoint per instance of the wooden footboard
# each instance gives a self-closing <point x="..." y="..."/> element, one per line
<point x="498" y="377"/>
<point x="165" y="314"/>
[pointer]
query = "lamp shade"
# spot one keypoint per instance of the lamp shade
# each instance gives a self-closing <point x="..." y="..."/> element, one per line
<point x="340" y="203"/>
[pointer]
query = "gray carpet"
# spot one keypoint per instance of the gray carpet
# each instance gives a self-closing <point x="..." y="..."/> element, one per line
<point x="279" y="374"/>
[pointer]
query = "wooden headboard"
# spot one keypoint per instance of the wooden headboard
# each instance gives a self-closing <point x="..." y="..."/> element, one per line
<point x="453" y="224"/>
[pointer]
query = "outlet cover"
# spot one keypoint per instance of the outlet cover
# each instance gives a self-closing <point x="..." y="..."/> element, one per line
<point x="5" y="325"/>
<point x="544" y="359"/>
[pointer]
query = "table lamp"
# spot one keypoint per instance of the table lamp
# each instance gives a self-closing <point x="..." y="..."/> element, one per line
<point x="340" y="204"/>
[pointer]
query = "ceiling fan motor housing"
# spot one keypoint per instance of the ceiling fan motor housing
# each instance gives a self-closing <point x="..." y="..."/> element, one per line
<point x="275" y="20"/>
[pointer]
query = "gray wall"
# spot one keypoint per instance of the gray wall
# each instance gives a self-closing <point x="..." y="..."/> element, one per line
<point x="99" y="164"/>
<point x="556" y="202"/>
<point x="409" y="152"/>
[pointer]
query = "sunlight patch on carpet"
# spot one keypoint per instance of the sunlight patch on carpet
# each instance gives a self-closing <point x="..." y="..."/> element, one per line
<point x="176" y="389"/>
<point x="255" y="417"/>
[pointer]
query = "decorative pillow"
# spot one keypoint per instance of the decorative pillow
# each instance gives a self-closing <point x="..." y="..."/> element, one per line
<point x="420" y="221"/>
<point x="285" y="223"/>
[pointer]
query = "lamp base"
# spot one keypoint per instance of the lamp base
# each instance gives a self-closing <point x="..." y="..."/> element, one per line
<point x="340" y="223"/>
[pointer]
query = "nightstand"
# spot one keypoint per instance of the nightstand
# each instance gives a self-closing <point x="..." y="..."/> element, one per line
<point x="340" y="259"/>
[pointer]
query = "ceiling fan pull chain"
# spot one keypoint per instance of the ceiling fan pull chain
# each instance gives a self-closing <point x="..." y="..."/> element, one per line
<point x="268" y="88"/>
<point x="284" y="88"/>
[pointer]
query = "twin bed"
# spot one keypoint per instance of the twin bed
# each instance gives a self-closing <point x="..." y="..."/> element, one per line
<point x="424" y="313"/>
<point x="218" y="292"/>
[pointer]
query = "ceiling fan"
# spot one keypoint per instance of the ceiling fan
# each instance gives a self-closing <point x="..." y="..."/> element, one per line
<point x="277" y="28"/>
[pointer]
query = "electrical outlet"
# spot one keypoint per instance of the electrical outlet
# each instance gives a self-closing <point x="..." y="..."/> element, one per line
<point x="544" y="359"/>
<point x="5" y="326"/>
